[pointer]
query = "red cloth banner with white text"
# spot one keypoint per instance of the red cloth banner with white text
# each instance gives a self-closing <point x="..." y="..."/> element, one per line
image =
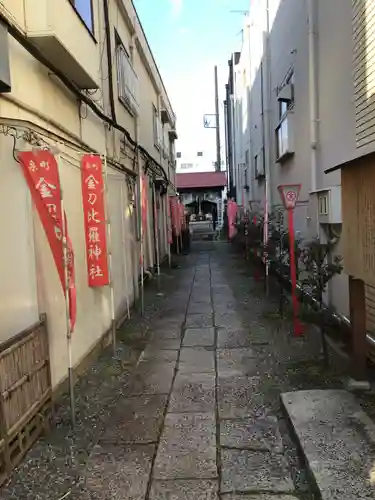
<point x="169" y="222"/>
<point x="175" y="215"/>
<point x="144" y="203"/>
<point x="181" y="207"/>
<point x="232" y="213"/>
<point x="41" y="173"/>
<point x="95" y="221"/>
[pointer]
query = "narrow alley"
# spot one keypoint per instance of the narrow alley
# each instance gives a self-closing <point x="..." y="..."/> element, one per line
<point x="192" y="408"/>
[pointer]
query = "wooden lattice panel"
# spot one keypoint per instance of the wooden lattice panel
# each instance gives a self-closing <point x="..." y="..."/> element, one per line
<point x="358" y="208"/>
<point x="25" y="394"/>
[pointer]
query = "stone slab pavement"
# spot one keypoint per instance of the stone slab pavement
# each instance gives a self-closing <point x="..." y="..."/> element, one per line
<point x="193" y="426"/>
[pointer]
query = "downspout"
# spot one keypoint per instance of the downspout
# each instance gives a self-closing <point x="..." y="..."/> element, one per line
<point x="226" y="138"/>
<point x="313" y="90"/>
<point x="233" y="119"/>
<point x="249" y="116"/>
<point x="109" y="59"/>
<point x="267" y="112"/>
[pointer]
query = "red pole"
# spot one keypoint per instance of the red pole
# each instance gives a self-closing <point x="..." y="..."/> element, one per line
<point x="293" y="276"/>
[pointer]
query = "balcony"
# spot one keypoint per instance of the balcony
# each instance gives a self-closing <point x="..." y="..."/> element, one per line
<point x="127" y="82"/>
<point x="57" y="30"/>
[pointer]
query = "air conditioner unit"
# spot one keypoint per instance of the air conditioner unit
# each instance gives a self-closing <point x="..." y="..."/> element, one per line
<point x="329" y="205"/>
<point x="285" y="93"/>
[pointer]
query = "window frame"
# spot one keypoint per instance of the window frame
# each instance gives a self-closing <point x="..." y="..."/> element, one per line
<point x="120" y="46"/>
<point x="279" y="130"/>
<point x="283" y="112"/>
<point x="90" y="29"/>
<point x="155" y="126"/>
<point x="323" y="204"/>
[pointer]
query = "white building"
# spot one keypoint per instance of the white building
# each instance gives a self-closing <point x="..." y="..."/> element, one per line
<point x="290" y="113"/>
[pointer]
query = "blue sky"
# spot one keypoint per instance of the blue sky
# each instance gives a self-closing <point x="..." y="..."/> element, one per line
<point x="188" y="37"/>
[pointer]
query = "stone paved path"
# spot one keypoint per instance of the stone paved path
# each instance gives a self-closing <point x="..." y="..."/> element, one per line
<point x="192" y="425"/>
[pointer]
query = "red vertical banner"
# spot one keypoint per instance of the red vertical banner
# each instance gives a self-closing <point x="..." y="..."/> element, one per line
<point x="144" y="203"/>
<point x="232" y="213"/>
<point x="95" y="221"/>
<point x="169" y="221"/>
<point x="175" y="215"/>
<point x="42" y="176"/>
<point x="182" y="214"/>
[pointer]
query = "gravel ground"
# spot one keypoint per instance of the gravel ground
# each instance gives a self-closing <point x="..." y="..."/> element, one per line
<point x="57" y="465"/>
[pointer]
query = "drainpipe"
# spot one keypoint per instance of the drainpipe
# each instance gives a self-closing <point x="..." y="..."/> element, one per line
<point x="233" y="138"/>
<point x="109" y="59"/>
<point x="249" y="120"/>
<point x="313" y="90"/>
<point x="267" y="113"/>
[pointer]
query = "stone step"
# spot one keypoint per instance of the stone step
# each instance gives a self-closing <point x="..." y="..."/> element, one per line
<point x="337" y="439"/>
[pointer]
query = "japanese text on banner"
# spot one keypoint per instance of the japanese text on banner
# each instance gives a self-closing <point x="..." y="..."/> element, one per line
<point x="41" y="173"/>
<point x="175" y="215"/>
<point x="95" y="222"/>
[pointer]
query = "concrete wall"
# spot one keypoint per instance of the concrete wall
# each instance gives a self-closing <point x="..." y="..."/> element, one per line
<point x="40" y="104"/>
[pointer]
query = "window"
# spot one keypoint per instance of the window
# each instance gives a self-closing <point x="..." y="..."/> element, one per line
<point x="186" y="166"/>
<point x="158" y="140"/>
<point x="323" y="204"/>
<point x="283" y="139"/>
<point x="178" y="155"/>
<point x="200" y="153"/>
<point x="127" y="80"/>
<point x="85" y="11"/>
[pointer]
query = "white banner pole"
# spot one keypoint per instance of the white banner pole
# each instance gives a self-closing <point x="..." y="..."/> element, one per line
<point x="265" y="237"/>
<point x="156" y="221"/>
<point x="67" y="306"/>
<point x="125" y="260"/>
<point x="142" y="238"/>
<point x="167" y="222"/>
<point x="110" y="258"/>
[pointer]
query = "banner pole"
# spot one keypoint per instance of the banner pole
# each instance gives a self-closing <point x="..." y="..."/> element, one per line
<point x="142" y="242"/>
<point x="110" y="260"/>
<point x="125" y="260"/>
<point x="293" y="275"/>
<point x="166" y="220"/>
<point x="67" y="306"/>
<point x="265" y="242"/>
<point x="156" y="234"/>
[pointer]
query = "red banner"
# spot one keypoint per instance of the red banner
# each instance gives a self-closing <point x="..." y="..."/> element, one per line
<point x="169" y="222"/>
<point x="232" y="213"/>
<point x="144" y="202"/>
<point x="181" y="208"/>
<point x="175" y="214"/>
<point x="41" y="173"/>
<point x="95" y="222"/>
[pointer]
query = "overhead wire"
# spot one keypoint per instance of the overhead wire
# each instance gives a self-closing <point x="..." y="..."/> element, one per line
<point x="36" y="139"/>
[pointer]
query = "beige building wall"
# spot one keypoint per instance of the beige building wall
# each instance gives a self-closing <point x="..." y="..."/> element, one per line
<point x="40" y="107"/>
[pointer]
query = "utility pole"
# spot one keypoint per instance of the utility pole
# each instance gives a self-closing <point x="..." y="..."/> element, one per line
<point x="218" y="145"/>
